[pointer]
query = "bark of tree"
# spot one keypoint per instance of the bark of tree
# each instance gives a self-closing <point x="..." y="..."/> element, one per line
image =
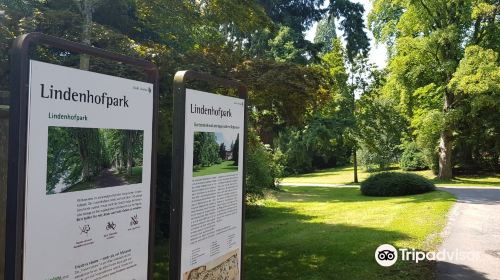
<point x="496" y="155"/>
<point x="82" y="139"/>
<point x="86" y="9"/>
<point x="355" y="161"/>
<point x="130" y="144"/>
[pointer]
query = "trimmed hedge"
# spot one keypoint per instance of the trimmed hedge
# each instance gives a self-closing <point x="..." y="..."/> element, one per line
<point x="395" y="184"/>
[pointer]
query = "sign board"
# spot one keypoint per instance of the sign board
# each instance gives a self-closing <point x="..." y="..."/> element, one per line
<point x="210" y="221"/>
<point x="87" y="176"/>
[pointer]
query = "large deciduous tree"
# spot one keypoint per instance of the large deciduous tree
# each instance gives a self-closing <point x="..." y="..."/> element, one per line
<point x="427" y="39"/>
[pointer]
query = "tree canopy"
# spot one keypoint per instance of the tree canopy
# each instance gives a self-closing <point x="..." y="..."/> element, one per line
<point x="311" y="104"/>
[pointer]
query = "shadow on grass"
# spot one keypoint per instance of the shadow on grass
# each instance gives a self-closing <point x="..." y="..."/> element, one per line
<point x="282" y="244"/>
<point x="472" y="180"/>
<point x="338" y="195"/>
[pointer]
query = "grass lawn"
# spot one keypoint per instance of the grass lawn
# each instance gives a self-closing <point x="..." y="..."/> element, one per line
<point x="223" y="167"/>
<point x="332" y="233"/>
<point x="344" y="175"/>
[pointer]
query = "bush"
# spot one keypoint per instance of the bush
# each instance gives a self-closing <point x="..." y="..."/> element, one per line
<point x="412" y="158"/>
<point x="373" y="161"/>
<point x="264" y="167"/>
<point x="395" y="184"/>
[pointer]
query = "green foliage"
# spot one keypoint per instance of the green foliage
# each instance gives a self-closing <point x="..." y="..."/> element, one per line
<point x="79" y="155"/>
<point x="444" y="57"/>
<point x="371" y="160"/>
<point x="427" y="125"/>
<point x="379" y="132"/>
<point x="478" y="73"/>
<point x="205" y="150"/>
<point x="264" y="167"/>
<point x="323" y="139"/>
<point x="222" y="150"/>
<point x="412" y="158"/>
<point x="236" y="149"/>
<point x="352" y="25"/>
<point x="325" y="34"/>
<point x="395" y="184"/>
<point x="283" y="93"/>
<point x="63" y="158"/>
<point x="283" y="48"/>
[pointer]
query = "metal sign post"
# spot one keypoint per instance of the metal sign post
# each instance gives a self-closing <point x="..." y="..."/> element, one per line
<point x="18" y="133"/>
<point x="216" y="120"/>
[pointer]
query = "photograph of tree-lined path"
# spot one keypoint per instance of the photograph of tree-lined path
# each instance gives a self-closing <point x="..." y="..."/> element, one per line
<point x="87" y="158"/>
<point x="211" y="154"/>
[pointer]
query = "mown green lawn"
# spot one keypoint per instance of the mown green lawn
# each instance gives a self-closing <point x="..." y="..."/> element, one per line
<point x="332" y="233"/>
<point x="223" y="167"/>
<point x="344" y="175"/>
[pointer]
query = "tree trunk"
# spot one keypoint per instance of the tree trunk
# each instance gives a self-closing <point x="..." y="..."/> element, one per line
<point x="445" y="163"/>
<point x="130" y="145"/>
<point x="83" y="139"/>
<point x="445" y="142"/>
<point x="495" y="161"/>
<point x="355" y="161"/>
<point x="86" y="10"/>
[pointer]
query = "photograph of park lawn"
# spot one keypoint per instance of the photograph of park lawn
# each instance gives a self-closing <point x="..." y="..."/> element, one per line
<point x="215" y="153"/>
<point x="88" y="158"/>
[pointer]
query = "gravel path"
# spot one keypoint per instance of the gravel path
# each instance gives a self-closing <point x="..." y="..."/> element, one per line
<point x="473" y="230"/>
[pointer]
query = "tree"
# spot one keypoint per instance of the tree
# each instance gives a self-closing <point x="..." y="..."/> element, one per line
<point x="206" y="151"/>
<point x="222" y="151"/>
<point x="86" y="8"/>
<point x="322" y="140"/>
<point x="236" y="149"/>
<point x="325" y="34"/>
<point x="428" y="39"/>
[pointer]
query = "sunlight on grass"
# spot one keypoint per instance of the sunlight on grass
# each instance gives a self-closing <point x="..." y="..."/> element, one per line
<point x="332" y="233"/>
<point x="344" y="175"/>
<point x="223" y="167"/>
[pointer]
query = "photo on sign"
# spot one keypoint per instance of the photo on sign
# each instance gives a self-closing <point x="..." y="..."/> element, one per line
<point x="225" y="267"/>
<point x="80" y="158"/>
<point x="215" y="153"/>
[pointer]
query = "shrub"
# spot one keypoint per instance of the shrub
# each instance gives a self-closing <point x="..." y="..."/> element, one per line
<point x="395" y="184"/>
<point x="373" y="161"/>
<point x="412" y="158"/>
<point x="264" y="167"/>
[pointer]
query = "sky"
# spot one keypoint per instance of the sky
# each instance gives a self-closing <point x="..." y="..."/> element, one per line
<point x="378" y="52"/>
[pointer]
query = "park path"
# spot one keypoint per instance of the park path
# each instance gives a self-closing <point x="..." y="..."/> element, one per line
<point x="473" y="228"/>
<point x="108" y="178"/>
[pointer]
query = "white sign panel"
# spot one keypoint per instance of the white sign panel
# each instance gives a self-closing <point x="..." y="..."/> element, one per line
<point x="213" y="187"/>
<point x="88" y="175"/>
